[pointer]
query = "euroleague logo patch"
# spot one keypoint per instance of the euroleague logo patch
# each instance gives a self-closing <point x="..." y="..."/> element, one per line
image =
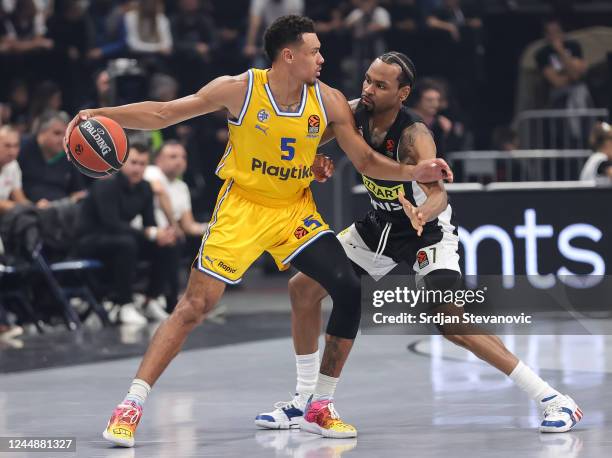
<point x="390" y="146"/>
<point x="300" y="232"/>
<point x="263" y="115"/>
<point x="422" y="259"/>
<point x="314" y="122"/>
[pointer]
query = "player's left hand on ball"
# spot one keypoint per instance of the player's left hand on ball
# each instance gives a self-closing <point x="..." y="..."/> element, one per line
<point x="417" y="219"/>
<point x="430" y="170"/>
<point x="322" y="168"/>
<point x="81" y="116"/>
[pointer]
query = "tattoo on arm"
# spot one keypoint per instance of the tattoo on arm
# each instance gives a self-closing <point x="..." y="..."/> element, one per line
<point x="412" y="147"/>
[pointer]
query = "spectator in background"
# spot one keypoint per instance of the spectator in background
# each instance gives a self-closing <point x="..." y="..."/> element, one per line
<point x="108" y="29"/>
<point x="231" y="29"/>
<point x="425" y="101"/>
<point x="11" y="194"/>
<point x="456" y="49"/>
<point x="47" y="174"/>
<point x="103" y="91"/>
<point x="194" y="38"/>
<point x="11" y="190"/>
<point x="148" y="29"/>
<point x="406" y="19"/>
<point x="16" y="111"/>
<point x="172" y="193"/>
<point x="367" y="25"/>
<point x="262" y="13"/>
<point x="599" y="166"/>
<point x="105" y="232"/>
<point x="563" y="68"/>
<point x="70" y="30"/>
<point x="47" y="96"/>
<point x="329" y="17"/>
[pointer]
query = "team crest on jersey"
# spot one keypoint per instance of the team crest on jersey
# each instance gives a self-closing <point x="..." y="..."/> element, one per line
<point x="314" y="122"/>
<point x="263" y="115"/>
<point x="300" y="232"/>
<point x="422" y="259"/>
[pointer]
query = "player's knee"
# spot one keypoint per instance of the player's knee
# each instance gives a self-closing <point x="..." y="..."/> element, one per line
<point x="191" y="310"/>
<point x="305" y="292"/>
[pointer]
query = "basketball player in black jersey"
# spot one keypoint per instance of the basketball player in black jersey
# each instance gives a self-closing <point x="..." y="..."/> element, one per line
<point x="409" y="223"/>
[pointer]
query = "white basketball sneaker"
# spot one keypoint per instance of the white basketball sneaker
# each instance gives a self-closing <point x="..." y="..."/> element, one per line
<point x="559" y="414"/>
<point x="286" y="415"/>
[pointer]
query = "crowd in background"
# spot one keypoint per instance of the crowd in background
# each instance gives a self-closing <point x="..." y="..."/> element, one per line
<point x="59" y="56"/>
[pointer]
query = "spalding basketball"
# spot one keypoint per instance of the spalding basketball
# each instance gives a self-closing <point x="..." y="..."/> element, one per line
<point x="98" y="147"/>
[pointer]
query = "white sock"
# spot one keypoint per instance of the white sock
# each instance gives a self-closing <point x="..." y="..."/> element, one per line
<point x="307" y="371"/>
<point x="531" y="383"/>
<point x="138" y="392"/>
<point x="326" y="387"/>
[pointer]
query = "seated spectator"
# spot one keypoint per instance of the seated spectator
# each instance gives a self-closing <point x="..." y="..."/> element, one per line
<point x="47" y="174"/>
<point x="108" y="29"/>
<point x="599" y="166"/>
<point x="262" y="13"/>
<point x="563" y="68"/>
<point x="148" y="29"/>
<point x="173" y="203"/>
<point x="17" y="108"/>
<point x="26" y="28"/>
<point x="47" y="96"/>
<point x="11" y="191"/>
<point x="105" y="233"/>
<point x="366" y="24"/>
<point x="425" y="101"/>
<point x="231" y="29"/>
<point x="193" y="34"/>
<point x="102" y="97"/>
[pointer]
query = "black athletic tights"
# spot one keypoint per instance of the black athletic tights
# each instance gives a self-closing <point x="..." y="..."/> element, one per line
<point x="324" y="260"/>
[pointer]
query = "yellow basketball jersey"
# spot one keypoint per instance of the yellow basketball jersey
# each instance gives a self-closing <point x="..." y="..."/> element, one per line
<point x="270" y="152"/>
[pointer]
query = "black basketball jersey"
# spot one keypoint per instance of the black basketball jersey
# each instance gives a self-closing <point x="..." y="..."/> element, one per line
<point x="383" y="193"/>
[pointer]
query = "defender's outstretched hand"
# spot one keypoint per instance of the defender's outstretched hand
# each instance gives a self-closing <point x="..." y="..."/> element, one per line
<point x="430" y="170"/>
<point x="417" y="219"/>
<point x="322" y="168"/>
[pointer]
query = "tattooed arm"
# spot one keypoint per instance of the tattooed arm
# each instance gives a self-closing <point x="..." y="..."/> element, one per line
<point x="417" y="144"/>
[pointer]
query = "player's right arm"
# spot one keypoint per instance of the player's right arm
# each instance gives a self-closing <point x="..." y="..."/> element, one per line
<point x="365" y="159"/>
<point x="222" y="93"/>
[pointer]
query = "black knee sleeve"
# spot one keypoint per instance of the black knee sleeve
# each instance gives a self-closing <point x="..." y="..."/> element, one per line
<point x="325" y="261"/>
<point x="442" y="279"/>
<point x="346" y="312"/>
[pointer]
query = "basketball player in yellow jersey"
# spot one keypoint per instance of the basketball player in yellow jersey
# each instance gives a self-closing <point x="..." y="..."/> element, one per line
<point x="276" y="120"/>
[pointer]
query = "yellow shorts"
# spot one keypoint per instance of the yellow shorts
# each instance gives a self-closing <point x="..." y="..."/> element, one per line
<point x="241" y="229"/>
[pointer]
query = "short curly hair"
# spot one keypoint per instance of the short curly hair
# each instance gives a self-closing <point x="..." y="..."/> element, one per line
<point x="284" y="31"/>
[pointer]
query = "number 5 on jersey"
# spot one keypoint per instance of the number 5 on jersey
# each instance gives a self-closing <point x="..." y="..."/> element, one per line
<point x="287" y="148"/>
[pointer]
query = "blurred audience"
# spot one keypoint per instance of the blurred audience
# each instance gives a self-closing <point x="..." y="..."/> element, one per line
<point x="194" y="38"/>
<point x="105" y="233"/>
<point x="426" y="101"/>
<point x="173" y="206"/>
<point x="599" y="166"/>
<point x="11" y="188"/>
<point x="261" y="14"/>
<point x="148" y="29"/>
<point x="47" y="174"/>
<point x="367" y="24"/>
<point x="563" y="67"/>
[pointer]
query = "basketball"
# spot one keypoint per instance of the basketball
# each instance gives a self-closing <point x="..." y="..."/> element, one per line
<point x="98" y="147"/>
